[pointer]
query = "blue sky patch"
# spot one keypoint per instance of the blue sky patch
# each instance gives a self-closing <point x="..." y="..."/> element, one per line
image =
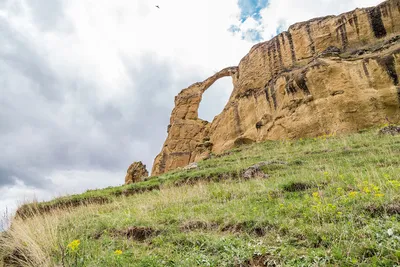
<point x="251" y="8"/>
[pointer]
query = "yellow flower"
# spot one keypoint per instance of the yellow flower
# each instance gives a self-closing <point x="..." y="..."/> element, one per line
<point x="353" y="193"/>
<point x="118" y="252"/>
<point x="379" y="195"/>
<point x="339" y="213"/>
<point x="331" y="206"/>
<point x="394" y="183"/>
<point x="366" y="190"/>
<point x="376" y="188"/>
<point x="74" y="245"/>
<point x="315" y="194"/>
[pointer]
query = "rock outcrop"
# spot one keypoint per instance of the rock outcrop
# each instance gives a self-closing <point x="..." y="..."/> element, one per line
<point x="329" y="75"/>
<point x="391" y="129"/>
<point x="136" y="172"/>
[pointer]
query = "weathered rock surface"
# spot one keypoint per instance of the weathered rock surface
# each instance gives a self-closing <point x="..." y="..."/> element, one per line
<point x="391" y="129"/>
<point x="136" y="172"/>
<point x="191" y="166"/>
<point x="256" y="171"/>
<point x="329" y="75"/>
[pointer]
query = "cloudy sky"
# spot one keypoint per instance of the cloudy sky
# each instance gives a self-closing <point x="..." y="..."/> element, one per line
<point x="87" y="86"/>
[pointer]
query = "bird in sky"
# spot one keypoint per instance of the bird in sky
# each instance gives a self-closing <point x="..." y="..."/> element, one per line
<point x="157" y="7"/>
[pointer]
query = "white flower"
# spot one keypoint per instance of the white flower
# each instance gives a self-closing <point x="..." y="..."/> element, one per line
<point x="390" y="231"/>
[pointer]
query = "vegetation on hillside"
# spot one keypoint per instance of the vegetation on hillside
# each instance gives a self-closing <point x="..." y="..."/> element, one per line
<point x="336" y="202"/>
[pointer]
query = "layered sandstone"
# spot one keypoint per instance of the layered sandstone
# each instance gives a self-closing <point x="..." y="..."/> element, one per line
<point x="329" y="75"/>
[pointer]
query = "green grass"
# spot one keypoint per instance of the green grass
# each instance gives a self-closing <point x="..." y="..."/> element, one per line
<point x="336" y="203"/>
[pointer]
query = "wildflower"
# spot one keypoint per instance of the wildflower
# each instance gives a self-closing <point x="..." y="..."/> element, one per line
<point x="394" y="183"/>
<point x="390" y="232"/>
<point x="353" y="193"/>
<point x="366" y="190"/>
<point x="376" y="188"/>
<point x="74" y="245"/>
<point x="315" y="194"/>
<point x="339" y="213"/>
<point x="379" y="195"/>
<point x="118" y="252"/>
<point x="331" y="206"/>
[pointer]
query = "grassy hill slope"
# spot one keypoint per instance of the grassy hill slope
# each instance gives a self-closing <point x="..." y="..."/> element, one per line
<point x="328" y="201"/>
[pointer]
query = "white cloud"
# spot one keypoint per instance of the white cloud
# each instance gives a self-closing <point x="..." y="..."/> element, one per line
<point x="218" y="95"/>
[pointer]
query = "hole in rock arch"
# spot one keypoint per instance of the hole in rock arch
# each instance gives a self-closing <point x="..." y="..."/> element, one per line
<point x="215" y="98"/>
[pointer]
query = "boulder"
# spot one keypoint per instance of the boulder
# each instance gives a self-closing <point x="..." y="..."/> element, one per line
<point x="191" y="166"/>
<point x="391" y="129"/>
<point x="136" y="172"/>
<point x="256" y="171"/>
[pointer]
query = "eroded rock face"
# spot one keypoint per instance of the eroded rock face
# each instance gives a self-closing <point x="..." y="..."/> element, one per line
<point x="335" y="74"/>
<point x="136" y="172"/>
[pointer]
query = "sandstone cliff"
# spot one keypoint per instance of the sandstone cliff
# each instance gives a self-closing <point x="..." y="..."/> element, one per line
<point x="335" y="74"/>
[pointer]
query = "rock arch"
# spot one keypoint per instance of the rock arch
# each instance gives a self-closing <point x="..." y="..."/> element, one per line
<point x="188" y="136"/>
